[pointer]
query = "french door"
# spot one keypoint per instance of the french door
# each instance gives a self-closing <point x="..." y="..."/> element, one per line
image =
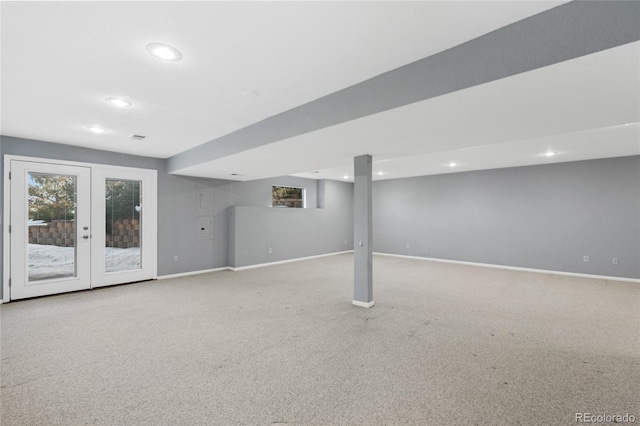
<point x="76" y="227"/>
<point x="50" y="229"/>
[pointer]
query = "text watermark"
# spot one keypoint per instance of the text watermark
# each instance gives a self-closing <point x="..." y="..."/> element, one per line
<point x="604" y="418"/>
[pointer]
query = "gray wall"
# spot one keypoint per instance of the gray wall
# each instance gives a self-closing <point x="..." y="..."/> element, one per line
<point x="544" y="217"/>
<point x="176" y="204"/>
<point x="31" y="148"/>
<point x="178" y="208"/>
<point x="178" y="213"/>
<point x="292" y="233"/>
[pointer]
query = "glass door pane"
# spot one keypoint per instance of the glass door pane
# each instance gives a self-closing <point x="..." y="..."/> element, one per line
<point x="123" y="205"/>
<point x="51" y="226"/>
<point x="50" y="239"/>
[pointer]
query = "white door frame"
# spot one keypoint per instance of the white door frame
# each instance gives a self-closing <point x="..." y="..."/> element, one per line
<point x="151" y="205"/>
<point x="22" y="286"/>
<point x="148" y="231"/>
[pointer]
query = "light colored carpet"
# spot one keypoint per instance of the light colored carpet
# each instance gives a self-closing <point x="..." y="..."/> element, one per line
<point x="444" y="345"/>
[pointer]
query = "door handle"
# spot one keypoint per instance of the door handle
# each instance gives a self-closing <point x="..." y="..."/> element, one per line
<point x="85" y="237"/>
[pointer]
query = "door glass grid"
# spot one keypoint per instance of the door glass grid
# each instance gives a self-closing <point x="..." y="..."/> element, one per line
<point x="51" y="226"/>
<point x="123" y="225"/>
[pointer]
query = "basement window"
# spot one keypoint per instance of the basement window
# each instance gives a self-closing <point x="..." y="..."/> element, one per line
<point x="286" y="196"/>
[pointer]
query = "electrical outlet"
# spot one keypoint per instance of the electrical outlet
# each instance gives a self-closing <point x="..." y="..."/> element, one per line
<point x="585" y="259"/>
<point x="407" y="245"/>
<point x="345" y="242"/>
<point x="175" y="258"/>
<point x="270" y="250"/>
<point x="614" y="261"/>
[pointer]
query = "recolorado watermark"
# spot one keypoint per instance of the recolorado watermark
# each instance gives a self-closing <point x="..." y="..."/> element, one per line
<point x="604" y="418"/>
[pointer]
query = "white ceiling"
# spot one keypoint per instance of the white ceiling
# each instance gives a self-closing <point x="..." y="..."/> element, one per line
<point x="577" y="108"/>
<point x="60" y="60"/>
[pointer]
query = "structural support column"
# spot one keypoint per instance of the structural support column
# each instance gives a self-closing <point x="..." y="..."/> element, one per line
<point x="362" y="230"/>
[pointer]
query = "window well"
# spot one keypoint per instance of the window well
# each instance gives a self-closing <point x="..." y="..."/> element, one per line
<point x="285" y="196"/>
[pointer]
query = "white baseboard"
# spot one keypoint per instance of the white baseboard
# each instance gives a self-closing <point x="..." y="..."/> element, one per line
<point x="242" y="268"/>
<point x="279" y="262"/>
<point x="1" y="302"/>
<point x="185" y="274"/>
<point x="512" y="268"/>
<point x="363" y="304"/>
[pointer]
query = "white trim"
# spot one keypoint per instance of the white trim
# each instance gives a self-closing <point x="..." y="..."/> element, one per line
<point x="512" y="268"/>
<point x="7" y="203"/>
<point x="81" y="280"/>
<point x="1" y="302"/>
<point x="148" y="218"/>
<point x="186" y="274"/>
<point x="363" y="304"/>
<point x="9" y="157"/>
<point x="279" y="262"/>
<point x="6" y="243"/>
<point x="242" y="268"/>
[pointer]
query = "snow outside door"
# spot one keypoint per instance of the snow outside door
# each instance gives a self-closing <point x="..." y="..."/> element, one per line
<point x="75" y="226"/>
<point x="50" y="229"/>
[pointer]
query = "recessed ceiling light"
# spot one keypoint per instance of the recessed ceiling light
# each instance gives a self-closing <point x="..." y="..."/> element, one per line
<point x="164" y="52"/>
<point x="550" y="153"/>
<point x="452" y="164"/>
<point x="380" y="173"/>
<point x="118" y="102"/>
<point x="95" y="129"/>
<point x="346" y="177"/>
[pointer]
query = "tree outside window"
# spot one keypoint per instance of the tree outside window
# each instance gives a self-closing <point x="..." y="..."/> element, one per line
<point x="283" y="196"/>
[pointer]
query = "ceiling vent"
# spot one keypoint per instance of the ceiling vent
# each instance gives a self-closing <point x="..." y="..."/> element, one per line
<point x="138" y="137"/>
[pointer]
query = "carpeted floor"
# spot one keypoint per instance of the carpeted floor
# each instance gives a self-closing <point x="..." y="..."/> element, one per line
<point x="444" y="345"/>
